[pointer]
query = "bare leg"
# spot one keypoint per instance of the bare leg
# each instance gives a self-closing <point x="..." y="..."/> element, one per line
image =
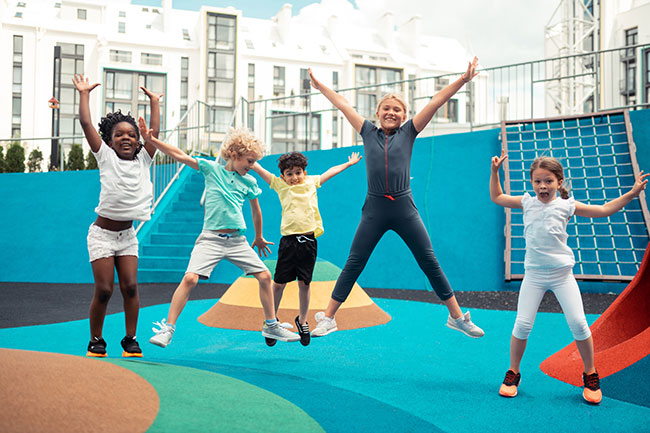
<point x="586" y="349"/>
<point x="181" y="296"/>
<point x="453" y="307"/>
<point x="332" y="308"/>
<point x="103" y="273"/>
<point x="266" y="294"/>
<point x="303" y="296"/>
<point x="278" y="291"/>
<point x="517" y="348"/>
<point x="127" y="273"/>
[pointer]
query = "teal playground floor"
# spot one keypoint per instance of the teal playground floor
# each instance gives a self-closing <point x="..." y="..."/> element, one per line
<point x="412" y="374"/>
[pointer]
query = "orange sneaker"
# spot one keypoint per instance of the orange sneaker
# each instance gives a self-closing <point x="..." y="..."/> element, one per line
<point x="510" y="384"/>
<point x="591" y="392"/>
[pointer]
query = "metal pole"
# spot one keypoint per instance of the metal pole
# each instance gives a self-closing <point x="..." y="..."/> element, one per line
<point x="56" y="86"/>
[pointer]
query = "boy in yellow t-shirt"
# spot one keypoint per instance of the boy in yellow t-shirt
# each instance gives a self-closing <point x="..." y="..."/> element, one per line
<point x="301" y="225"/>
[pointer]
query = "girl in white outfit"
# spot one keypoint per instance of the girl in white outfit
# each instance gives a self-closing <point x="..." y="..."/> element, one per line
<point x="549" y="261"/>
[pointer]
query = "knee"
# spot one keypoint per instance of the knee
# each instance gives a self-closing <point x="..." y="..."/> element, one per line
<point x="191" y="279"/>
<point x="580" y="330"/>
<point x="264" y="277"/>
<point x="522" y="329"/>
<point x="103" y="293"/>
<point x="130" y="290"/>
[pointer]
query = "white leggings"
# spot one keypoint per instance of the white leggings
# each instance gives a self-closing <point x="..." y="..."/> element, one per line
<point x="563" y="284"/>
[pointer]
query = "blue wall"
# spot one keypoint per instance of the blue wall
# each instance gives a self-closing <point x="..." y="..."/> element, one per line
<point x="46" y="217"/>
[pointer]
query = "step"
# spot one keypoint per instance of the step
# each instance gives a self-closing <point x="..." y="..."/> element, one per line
<point x="167" y="250"/>
<point x="194" y="187"/>
<point x="159" y="276"/>
<point x="187" y="205"/>
<point x="164" y="262"/>
<point x="186" y="228"/>
<point x="173" y="238"/>
<point x="184" y="216"/>
<point x="190" y="196"/>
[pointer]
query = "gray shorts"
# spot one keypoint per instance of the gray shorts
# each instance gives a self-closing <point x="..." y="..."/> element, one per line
<point x="104" y="243"/>
<point x="211" y="247"/>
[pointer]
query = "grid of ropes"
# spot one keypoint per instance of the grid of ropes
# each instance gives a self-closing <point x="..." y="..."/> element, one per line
<point x="598" y="156"/>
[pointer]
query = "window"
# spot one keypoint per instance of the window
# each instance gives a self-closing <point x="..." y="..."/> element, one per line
<point x="121" y="27"/>
<point x="185" y="74"/>
<point x="186" y="34"/>
<point x="122" y="14"/>
<point x="251" y="81"/>
<point x="646" y="75"/>
<point x="278" y="80"/>
<point x="220" y="68"/>
<point x="335" y="80"/>
<point x="304" y="85"/>
<point x="17" y="86"/>
<point x="57" y="5"/>
<point x="372" y="77"/>
<point x="335" y="130"/>
<point x="120" y="56"/>
<point x="71" y="63"/>
<point x="122" y="92"/>
<point x="18" y="15"/>
<point x="289" y="132"/>
<point x="628" y="62"/>
<point x="249" y="44"/>
<point x="20" y="4"/>
<point x="448" y="112"/>
<point x="151" y="59"/>
<point x="81" y="14"/>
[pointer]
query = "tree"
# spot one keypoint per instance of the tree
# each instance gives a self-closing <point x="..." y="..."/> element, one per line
<point x="91" y="162"/>
<point x="75" y="158"/>
<point x="15" y="159"/>
<point x="35" y="161"/>
<point x="2" y="159"/>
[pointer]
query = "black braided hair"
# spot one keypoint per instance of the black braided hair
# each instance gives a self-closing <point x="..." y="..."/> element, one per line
<point x="293" y="159"/>
<point x="108" y="123"/>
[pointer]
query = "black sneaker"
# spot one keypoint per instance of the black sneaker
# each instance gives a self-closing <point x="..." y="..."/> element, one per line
<point x="96" y="347"/>
<point x="131" y="347"/>
<point x="510" y="384"/>
<point x="303" y="331"/>
<point x="592" y="393"/>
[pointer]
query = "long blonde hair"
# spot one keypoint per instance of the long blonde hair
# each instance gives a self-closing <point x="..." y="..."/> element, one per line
<point x="554" y="166"/>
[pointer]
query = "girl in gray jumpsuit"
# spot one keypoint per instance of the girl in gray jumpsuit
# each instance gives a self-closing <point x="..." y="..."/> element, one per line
<point x="389" y="203"/>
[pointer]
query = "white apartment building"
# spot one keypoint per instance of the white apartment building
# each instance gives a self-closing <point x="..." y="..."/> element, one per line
<point x="217" y="56"/>
<point x="617" y="77"/>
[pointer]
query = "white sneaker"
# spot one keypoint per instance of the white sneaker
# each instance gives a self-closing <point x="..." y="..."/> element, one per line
<point x="465" y="325"/>
<point x="163" y="335"/>
<point x="277" y="332"/>
<point x="324" y="325"/>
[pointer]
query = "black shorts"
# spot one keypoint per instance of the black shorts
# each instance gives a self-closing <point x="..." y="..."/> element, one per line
<point x="296" y="259"/>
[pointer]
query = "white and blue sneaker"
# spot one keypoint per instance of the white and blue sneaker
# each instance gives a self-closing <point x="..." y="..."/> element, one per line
<point x="465" y="325"/>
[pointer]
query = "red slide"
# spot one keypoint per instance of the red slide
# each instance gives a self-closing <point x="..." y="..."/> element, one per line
<point x="621" y="334"/>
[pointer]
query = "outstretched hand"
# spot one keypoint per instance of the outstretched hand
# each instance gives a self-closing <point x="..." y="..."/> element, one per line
<point x="497" y="161"/>
<point x="471" y="70"/>
<point x="82" y="83"/>
<point x="152" y="96"/>
<point x="354" y="158"/>
<point x="314" y="82"/>
<point x="145" y="132"/>
<point x="262" y="246"/>
<point x="640" y="183"/>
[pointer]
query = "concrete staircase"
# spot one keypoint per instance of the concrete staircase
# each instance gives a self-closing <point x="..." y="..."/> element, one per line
<point x="165" y="249"/>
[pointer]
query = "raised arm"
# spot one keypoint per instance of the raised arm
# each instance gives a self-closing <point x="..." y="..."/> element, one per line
<point x="84" y="88"/>
<point x="154" y="121"/>
<point x="259" y="242"/>
<point x="355" y="119"/>
<point x="496" y="193"/>
<point x="422" y="119"/>
<point x="167" y="149"/>
<point x="610" y="208"/>
<point x="333" y="171"/>
<point x="263" y="173"/>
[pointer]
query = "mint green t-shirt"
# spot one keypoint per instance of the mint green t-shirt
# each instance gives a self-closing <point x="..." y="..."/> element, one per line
<point x="225" y="193"/>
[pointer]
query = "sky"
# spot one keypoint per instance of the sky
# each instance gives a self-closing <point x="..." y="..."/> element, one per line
<point x="499" y="32"/>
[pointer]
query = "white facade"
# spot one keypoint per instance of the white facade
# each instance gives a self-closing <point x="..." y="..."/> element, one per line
<point x="115" y="40"/>
<point x="614" y="79"/>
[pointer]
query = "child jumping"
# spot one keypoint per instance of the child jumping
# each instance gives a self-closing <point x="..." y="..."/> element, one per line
<point x="389" y="203"/>
<point x="126" y="194"/>
<point x="301" y="225"/>
<point x="549" y="261"/>
<point x="227" y="187"/>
